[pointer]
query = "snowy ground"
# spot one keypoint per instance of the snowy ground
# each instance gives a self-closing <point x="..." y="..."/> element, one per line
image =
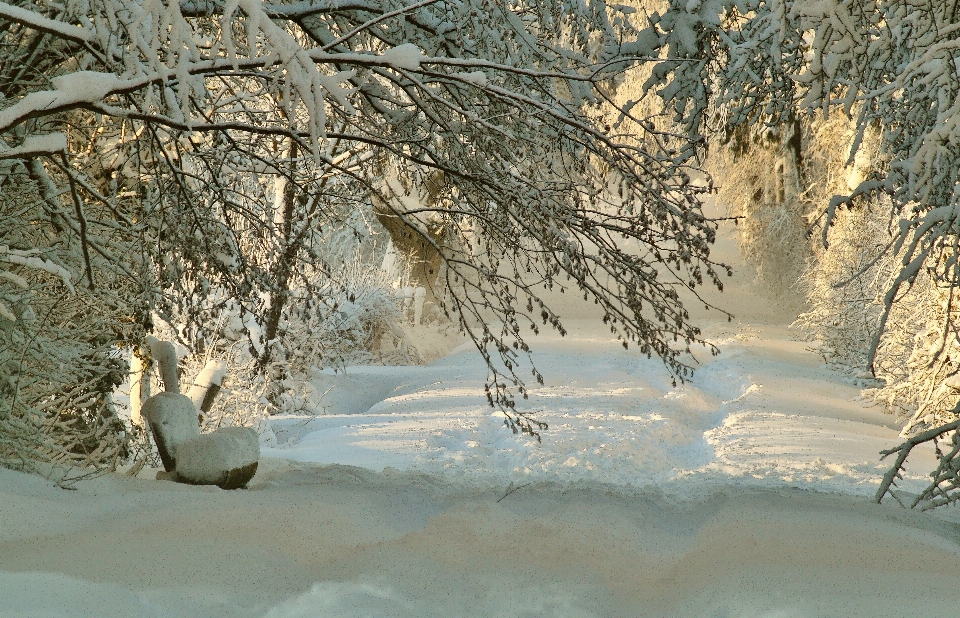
<point x="765" y="412"/>
<point x="745" y="492"/>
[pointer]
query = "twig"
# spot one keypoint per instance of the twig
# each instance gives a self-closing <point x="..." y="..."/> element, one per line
<point x="511" y="489"/>
<point x="81" y="219"/>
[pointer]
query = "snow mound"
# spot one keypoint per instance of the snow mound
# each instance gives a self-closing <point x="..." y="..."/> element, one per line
<point x="227" y="457"/>
<point x="406" y="56"/>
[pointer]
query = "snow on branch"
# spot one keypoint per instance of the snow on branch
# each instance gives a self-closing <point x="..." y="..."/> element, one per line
<point x="70" y="91"/>
<point x="24" y="258"/>
<point x="294" y="10"/>
<point x="36" y="21"/>
<point x="498" y="109"/>
<point x="36" y="145"/>
<point x="946" y="479"/>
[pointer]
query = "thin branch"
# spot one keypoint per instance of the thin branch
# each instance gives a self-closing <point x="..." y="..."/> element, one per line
<point x="904" y="450"/>
<point x="82" y="220"/>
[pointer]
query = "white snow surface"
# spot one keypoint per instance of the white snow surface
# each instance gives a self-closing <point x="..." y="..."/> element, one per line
<point x="207" y="458"/>
<point x="762" y="413"/>
<point x="745" y="492"/>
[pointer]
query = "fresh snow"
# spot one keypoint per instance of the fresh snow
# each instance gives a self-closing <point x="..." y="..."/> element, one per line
<point x="407" y="56"/>
<point x="24" y="258"/>
<point x="212" y="374"/>
<point x="763" y="413"/>
<point x="745" y="492"/>
<point x="477" y="78"/>
<point x="209" y="457"/>
<point x="26" y="16"/>
<point x="35" y="145"/>
<point x="69" y="90"/>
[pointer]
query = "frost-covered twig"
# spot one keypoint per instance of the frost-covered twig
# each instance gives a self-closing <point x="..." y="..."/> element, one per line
<point x="889" y="478"/>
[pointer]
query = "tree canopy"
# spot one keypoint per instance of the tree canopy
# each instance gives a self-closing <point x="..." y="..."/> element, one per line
<point x="170" y="155"/>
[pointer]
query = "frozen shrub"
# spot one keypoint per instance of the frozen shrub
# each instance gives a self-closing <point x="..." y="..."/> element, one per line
<point x="341" y="322"/>
<point x="59" y="365"/>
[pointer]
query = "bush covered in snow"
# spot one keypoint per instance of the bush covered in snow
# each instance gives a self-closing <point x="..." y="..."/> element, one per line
<point x="341" y="322"/>
<point x="59" y="361"/>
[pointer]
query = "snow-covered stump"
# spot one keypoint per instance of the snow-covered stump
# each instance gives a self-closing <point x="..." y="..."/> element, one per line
<point x="228" y="457"/>
<point x="207" y="385"/>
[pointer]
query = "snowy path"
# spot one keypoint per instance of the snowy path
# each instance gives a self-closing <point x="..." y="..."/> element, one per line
<point x="764" y="412"/>
<point x="409" y="499"/>
<point x="642" y="500"/>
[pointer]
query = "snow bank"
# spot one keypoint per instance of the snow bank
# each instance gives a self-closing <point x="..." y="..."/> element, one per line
<point x="308" y="541"/>
<point x="642" y="500"/>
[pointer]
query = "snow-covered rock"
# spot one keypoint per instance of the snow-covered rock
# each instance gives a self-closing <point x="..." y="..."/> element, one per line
<point x="227" y="457"/>
<point x="173" y="421"/>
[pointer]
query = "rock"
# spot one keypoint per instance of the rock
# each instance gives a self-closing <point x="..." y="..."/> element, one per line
<point x="227" y="458"/>
<point x="173" y="421"/>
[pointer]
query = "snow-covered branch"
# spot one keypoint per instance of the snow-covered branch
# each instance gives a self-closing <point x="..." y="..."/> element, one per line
<point x="210" y="144"/>
<point x="36" y="145"/>
<point x="32" y="19"/>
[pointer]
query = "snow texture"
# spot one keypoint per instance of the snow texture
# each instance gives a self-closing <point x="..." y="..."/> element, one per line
<point x="25" y="16"/>
<point x="407" y="56"/>
<point x="5" y="312"/>
<point x="36" y="145"/>
<point x="24" y="258"/>
<point x="757" y="414"/>
<point x="212" y="374"/>
<point x="477" y="78"/>
<point x="208" y="458"/>
<point x="173" y="419"/>
<point x="165" y="355"/>
<point x="69" y="89"/>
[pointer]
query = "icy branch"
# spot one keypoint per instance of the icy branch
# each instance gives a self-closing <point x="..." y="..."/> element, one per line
<point x="889" y="479"/>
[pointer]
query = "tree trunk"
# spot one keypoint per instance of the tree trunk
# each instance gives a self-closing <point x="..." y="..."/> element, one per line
<point x="283" y="267"/>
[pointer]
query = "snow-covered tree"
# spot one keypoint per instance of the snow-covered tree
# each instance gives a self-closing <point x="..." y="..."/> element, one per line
<point x="196" y="150"/>
<point x="58" y="358"/>
<point x="888" y="65"/>
<point x="883" y="63"/>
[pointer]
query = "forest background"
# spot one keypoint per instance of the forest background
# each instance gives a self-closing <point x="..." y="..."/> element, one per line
<point x="289" y="186"/>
